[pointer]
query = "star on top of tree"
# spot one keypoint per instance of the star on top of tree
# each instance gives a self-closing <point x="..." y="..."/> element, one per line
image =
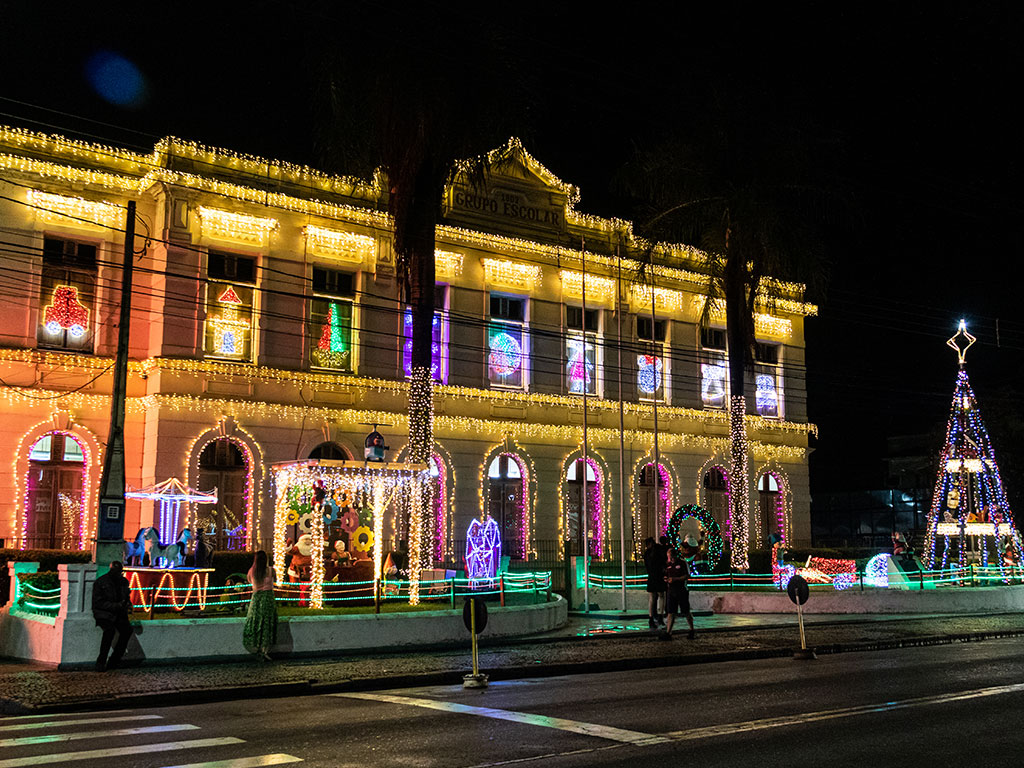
<point x="961" y="341"/>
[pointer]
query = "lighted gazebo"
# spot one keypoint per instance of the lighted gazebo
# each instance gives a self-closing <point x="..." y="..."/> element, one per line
<point x="320" y="484"/>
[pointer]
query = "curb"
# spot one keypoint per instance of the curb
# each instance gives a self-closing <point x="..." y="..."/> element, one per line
<point x="313" y="688"/>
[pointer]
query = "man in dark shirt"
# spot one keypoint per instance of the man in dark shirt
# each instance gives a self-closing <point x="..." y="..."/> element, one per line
<point x="654" y="562"/>
<point x="111" y="603"/>
<point x="677" y="571"/>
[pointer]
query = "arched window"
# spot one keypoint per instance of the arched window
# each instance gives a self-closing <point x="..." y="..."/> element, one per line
<point x="507" y="503"/>
<point x="573" y="508"/>
<point x="653" y="492"/>
<point x="769" y="498"/>
<point x="55" y="493"/>
<point x="223" y="465"/>
<point x="329" y="452"/>
<point x="716" y="498"/>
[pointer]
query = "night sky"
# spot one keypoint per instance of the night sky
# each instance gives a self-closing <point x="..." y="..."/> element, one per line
<point x="921" y="100"/>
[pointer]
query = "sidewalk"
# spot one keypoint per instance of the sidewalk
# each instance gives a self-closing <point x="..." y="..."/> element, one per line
<point x="587" y="644"/>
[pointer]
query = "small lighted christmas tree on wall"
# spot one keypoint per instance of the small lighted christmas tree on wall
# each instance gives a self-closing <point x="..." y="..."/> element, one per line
<point x="969" y="514"/>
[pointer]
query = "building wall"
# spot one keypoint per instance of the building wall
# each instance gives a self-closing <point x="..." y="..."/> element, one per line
<point x="277" y="406"/>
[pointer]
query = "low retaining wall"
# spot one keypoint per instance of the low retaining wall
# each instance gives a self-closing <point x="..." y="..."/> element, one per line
<point x="73" y="639"/>
<point x="881" y="601"/>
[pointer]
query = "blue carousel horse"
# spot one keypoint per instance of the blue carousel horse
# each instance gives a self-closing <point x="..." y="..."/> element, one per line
<point x="168" y="556"/>
<point x="135" y="550"/>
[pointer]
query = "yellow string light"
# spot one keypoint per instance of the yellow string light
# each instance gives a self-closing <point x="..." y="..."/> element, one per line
<point x="601" y="289"/>
<point x="342" y="246"/>
<point x="239" y="227"/>
<point x="509" y="274"/>
<point x="74" y="211"/>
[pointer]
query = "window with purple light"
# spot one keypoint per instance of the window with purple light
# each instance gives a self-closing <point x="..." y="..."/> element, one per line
<point x="438" y="338"/>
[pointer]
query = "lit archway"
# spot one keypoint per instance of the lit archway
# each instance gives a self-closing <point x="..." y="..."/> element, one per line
<point x="573" y="507"/>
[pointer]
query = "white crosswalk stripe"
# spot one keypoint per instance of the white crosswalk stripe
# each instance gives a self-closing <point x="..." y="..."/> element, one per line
<point x="29" y="733"/>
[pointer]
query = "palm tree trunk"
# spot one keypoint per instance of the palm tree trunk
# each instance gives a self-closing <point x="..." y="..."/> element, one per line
<point x="737" y="328"/>
<point x="418" y="244"/>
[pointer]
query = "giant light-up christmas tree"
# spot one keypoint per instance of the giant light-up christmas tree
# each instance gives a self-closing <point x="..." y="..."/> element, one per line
<point x="969" y="511"/>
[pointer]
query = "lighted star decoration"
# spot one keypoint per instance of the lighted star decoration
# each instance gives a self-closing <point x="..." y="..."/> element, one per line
<point x="961" y="341"/>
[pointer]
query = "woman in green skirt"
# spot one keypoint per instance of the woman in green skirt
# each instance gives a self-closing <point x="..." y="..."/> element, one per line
<point x="260" y="631"/>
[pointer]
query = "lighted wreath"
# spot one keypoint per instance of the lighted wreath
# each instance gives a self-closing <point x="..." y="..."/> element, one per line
<point x="709" y="528"/>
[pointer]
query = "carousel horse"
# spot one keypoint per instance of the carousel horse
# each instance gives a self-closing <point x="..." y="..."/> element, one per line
<point x="166" y="556"/>
<point x="135" y="550"/>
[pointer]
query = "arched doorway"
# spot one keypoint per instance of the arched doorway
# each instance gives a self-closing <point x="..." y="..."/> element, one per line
<point x="506" y="502"/>
<point x="55" y="494"/>
<point x="330" y="452"/>
<point x="573" y="507"/>
<point x="716" y="498"/>
<point x="653" y="500"/>
<point x="223" y="465"/>
<point x="770" y="509"/>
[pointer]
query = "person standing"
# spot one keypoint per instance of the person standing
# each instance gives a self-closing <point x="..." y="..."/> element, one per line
<point x="111" y="604"/>
<point x="654" y="562"/>
<point x="260" y="631"/>
<point x="677" y="572"/>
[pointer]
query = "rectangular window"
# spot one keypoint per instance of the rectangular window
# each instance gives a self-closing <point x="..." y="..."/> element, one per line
<point x="231" y="268"/>
<point x="582" y="351"/>
<point x="229" y="321"/>
<point x="67" y="295"/>
<point x="331" y="313"/>
<point x="506" y="342"/>
<point x="714" y="369"/>
<point x="438" y="337"/>
<point x="767" y="393"/>
<point x="651" y="360"/>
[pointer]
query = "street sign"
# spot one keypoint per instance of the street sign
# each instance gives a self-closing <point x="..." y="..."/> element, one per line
<point x="481" y="615"/>
<point x="798" y="590"/>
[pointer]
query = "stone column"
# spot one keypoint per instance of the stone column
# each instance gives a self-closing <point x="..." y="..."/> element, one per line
<point x="13" y="569"/>
<point x="76" y="580"/>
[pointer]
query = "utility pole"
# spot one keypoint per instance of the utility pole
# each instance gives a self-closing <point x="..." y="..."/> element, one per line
<point x="110" y="529"/>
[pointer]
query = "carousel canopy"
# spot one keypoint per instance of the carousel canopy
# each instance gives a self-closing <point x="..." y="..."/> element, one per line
<point x="173" y="489"/>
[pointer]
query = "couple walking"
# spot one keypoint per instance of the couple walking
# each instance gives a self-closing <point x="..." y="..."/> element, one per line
<point x="667" y="574"/>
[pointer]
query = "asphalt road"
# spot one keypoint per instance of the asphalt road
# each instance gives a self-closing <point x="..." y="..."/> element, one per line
<point x="935" y="706"/>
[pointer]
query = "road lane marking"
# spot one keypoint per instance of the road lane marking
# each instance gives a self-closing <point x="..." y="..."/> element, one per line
<point x="53" y="738"/>
<point x="59" y="714"/>
<point x="729" y="729"/>
<point x="69" y="724"/>
<point x="575" y="726"/>
<point x="94" y="754"/>
<point x="244" y="762"/>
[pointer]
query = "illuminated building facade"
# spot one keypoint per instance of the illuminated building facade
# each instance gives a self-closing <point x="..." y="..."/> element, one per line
<point x="266" y="328"/>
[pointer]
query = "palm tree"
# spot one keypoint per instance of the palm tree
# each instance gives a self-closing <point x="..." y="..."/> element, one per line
<point x="395" y="105"/>
<point x="752" y="195"/>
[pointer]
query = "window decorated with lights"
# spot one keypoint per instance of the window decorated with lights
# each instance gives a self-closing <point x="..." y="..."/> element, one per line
<point x="766" y="381"/>
<point x="438" y="339"/>
<point x="506" y="342"/>
<point x="67" y="295"/>
<point x="651" y="361"/>
<point x="230" y="294"/>
<point x="229" y="321"/>
<point x="714" y="369"/>
<point x="581" y="351"/>
<point x="331" y="338"/>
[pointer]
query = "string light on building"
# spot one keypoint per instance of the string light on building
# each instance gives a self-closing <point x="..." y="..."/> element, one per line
<point x="241" y="227"/>
<point x="448" y="265"/>
<point x="648" y="375"/>
<point x="510" y="274"/>
<point x="74" y="211"/>
<point x="338" y="245"/>
<point x="599" y="289"/>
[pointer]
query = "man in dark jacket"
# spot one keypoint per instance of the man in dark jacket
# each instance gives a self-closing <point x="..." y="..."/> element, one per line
<point x="111" y="603"/>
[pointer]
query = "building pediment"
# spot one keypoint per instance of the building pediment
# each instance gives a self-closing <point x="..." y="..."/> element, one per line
<point x="513" y="195"/>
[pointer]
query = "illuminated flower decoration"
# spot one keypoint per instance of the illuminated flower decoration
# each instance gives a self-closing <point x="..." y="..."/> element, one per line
<point x="843" y="580"/>
<point x="348" y="520"/>
<point x="506" y="355"/>
<point x="306" y="523"/>
<point x="648" y="376"/>
<point x="876" y="572"/>
<point x="292" y="518"/>
<point x="362" y="539"/>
